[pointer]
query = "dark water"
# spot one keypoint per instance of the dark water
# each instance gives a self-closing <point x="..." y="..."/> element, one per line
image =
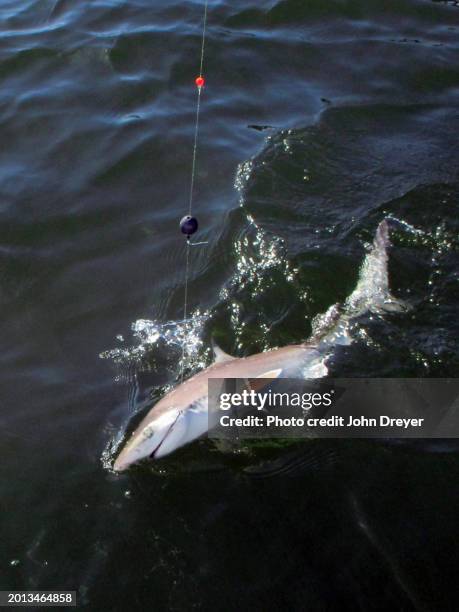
<point x="97" y="106"/>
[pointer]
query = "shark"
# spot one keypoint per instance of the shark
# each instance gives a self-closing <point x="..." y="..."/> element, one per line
<point x="181" y="416"/>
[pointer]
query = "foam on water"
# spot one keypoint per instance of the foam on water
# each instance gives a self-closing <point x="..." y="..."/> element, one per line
<point x="150" y="335"/>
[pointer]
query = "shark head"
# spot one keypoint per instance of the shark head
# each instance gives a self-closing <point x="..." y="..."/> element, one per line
<point x="165" y="429"/>
<point x="177" y="419"/>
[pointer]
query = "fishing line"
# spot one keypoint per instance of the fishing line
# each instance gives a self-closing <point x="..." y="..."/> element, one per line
<point x="189" y="224"/>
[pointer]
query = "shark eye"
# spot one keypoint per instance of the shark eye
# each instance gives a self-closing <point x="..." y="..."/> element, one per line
<point x="147" y="433"/>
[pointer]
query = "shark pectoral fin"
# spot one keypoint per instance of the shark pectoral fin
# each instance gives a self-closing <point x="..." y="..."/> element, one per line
<point x="219" y="354"/>
<point x="270" y="374"/>
<point x="258" y="383"/>
<point x="254" y="384"/>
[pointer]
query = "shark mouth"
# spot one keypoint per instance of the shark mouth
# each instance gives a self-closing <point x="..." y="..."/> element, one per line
<point x="171" y="427"/>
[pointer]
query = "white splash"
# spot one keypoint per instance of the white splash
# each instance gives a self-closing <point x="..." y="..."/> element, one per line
<point x="150" y="335"/>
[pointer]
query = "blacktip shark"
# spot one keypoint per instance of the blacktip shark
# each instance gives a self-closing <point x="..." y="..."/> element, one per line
<point x="181" y="416"/>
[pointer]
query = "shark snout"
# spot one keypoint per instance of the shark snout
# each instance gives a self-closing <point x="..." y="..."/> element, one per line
<point x="147" y="441"/>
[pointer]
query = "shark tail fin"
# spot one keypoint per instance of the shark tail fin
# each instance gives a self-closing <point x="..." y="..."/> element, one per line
<point x="371" y="294"/>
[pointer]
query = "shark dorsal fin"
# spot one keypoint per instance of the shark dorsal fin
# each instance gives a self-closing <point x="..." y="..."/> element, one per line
<point x="219" y="354"/>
